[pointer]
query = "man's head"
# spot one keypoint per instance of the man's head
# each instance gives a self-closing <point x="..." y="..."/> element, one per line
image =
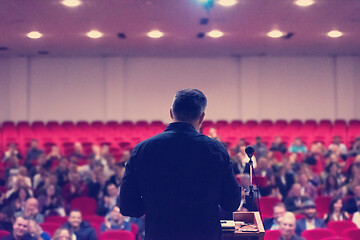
<point x="296" y="190"/>
<point x="20" y="227"/>
<point x="287" y="225"/>
<point x="115" y="214"/>
<point x="112" y="190"/>
<point x="31" y="207"/>
<point x="75" y="218"/>
<point x="309" y="209"/>
<point x="33" y="143"/>
<point x="189" y="106"/>
<point x="279" y="211"/>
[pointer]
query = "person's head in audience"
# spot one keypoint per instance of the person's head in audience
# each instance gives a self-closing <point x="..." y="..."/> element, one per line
<point x="22" y="194"/>
<point x="20" y="227"/>
<point x="332" y="168"/>
<point x="63" y="164"/>
<point x="75" y="219"/>
<point x="73" y="164"/>
<point x="13" y="162"/>
<point x="120" y="169"/>
<point x="262" y="163"/>
<point x="295" y="190"/>
<point x="95" y="149"/>
<point x="62" y="234"/>
<point x="74" y="178"/>
<point x="115" y="215"/>
<point x="213" y="133"/>
<point x="279" y="211"/>
<point x="12" y="148"/>
<point x="78" y="148"/>
<point x="41" y="159"/>
<point x="52" y="179"/>
<point x="31" y="208"/>
<point x="309" y="209"/>
<point x="258" y="140"/>
<point x="287" y="225"/>
<point x="125" y="156"/>
<point x="336" y="206"/>
<point x="34" y="229"/>
<point x="331" y="183"/>
<point x="105" y="149"/>
<point x="303" y="179"/>
<point x="242" y="142"/>
<point x="278" y="140"/>
<point x="51" y="190"/>
<point x="352" y="171"/>
<point x="55" y="151"/>
<point x="337" y="140"/>
<point x="297" y="142"/>
<point x="98" y="168"/>
<point x="34" y="144"/>
<point x="101" y="178"/>
<point x="112" y="190"/>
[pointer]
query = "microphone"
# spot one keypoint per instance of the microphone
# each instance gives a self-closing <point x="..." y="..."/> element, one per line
<point x="249" y="150"/>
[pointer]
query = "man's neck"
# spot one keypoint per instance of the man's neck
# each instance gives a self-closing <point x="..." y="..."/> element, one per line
<point x="196" y="126"/>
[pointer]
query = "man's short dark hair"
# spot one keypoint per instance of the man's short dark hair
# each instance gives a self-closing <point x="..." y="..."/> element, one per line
<point x="188" y="104"/>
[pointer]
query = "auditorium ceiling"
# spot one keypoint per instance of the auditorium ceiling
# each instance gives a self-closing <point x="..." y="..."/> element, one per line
<point x="185" y="25"/>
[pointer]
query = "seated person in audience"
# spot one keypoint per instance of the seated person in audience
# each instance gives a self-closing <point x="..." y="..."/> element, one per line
<point x="78" y="151"/>
<point x="50" y="203"/>
<point x="41" y="163"/>
<point x="355" y="148"/>
<point x="310" y="221"/>
<point x="13" y="167"/>
<point x="273" y="223"/>
<point x="278" y="145"/>
<point x="81" y="228"/>
<point x="95" y="153"/>
<point x="239" y="166"/>
<point x="213" y="134"/>
<point x="97" y="185"/>
<point x="331" y="187"/>
<point x="340" y="146"/>
<point x="263" y="168"/>
<point x="53" y="156"/>
<point x="352" y="204"/>
<point x="240" y="144"/>
<point x="352" y="179"/>
<point x="36" y="231"/>
<point x="336" y="211"/>
<point x="125" y="157"/>
<point x="109" y="200"/>
<point x="119" y="174"/>
<point x="246" y="204"/>
<point x="260" y="148"/>
<point x="40" y="177"/>
<point x="105" y="154"/>
<point x="6" y="219"/>
<point x="20" y="230"/>
<point x="287" y="227"/>
<point x="62" y="172"/>
<point x="32" y="154"/>
<point x="63" y="234"/>
<point x="87" y="169"/>
<point x="115" y="221"/>
<point x="18" y="199"/>
<point x="74" y="188"/>
<point x="272" y="189"/>
<point x="294" y="201"/>
<point x="284" y="180"/>
<point x="333" y="169"/>
<point x="16" y="182"/>
<point x="307" y="188"/>
<point x="298" y="146"/>
<point x="73" y="164"/>
<point x="11" y="152"/>
<point x="31" y="211"/>
<point x="109" y="169"/>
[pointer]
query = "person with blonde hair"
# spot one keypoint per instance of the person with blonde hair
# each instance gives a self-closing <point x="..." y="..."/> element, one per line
<point x="287" y="227"/>
<point x="62" y="234"/>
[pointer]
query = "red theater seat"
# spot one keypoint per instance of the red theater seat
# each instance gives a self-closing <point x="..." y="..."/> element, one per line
<point x="340" y="226"/>
<point x="352" y="233"/>
<point x="116" y="235"/>
<point x="316" y="234"/>
<point x="266" y="206"/>
<point x="86" y="205"/>
<point x="322" y="205"/>
<point x="50" y="227"/>
<point x="4" y="233"/>
<point x="272" y="235"/>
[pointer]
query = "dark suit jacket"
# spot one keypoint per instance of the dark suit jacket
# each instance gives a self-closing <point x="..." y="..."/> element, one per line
<point x="268" y="222"/>
<point x="177" y="179"/>
<point x="301" y="225"/>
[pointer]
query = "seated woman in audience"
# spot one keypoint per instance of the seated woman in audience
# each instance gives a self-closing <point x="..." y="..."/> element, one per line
<point x="18" y="198"/>
<point x="352" y="178"/>
<point x="307" y="188"/>
<point x="115" y="221"/>
<point x="63" y="234"/>
<point x="336" y="211"/>
<point x="334" y="169"/>
<point x="78" y="151"/>
<point x="50" y="203"/>
<point x="213" y="134"/>
<point x="53" y="156"/>
<point x="18" y="182"/>
<point x="278" y="145"/>
<point x="298" y="146"/>
<point x="11" y="152"/>
<point x="331" y="187"/>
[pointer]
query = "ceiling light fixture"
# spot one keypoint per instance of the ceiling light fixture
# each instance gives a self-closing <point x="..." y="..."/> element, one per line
<point x="34" y="35"/>
<point x="215" y="34"/>
<point x="94" y="34"/>
<point x="155" y="34"/>
<point x="71" y="3"/>
<point x="275" y="34"/>
<point x="335" y="34"/>
<point x="304" y="3"/>
<point x="227" y="3"/>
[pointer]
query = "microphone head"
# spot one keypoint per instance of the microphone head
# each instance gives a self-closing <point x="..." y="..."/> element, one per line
<point x="249" y="150"/>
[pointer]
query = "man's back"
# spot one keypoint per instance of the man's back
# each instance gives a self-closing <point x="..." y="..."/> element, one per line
<point x="177" y="179"/>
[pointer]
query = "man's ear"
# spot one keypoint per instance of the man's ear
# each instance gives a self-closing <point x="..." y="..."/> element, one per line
<point x="201" y="119"/>
<point x="171" y="114"/>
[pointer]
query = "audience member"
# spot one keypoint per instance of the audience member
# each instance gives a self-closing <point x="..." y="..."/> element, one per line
<point x="307" y="188"/>
<point x="336" y="211"/>
<point x="115" y="221"/>
<point x="310" y="221"/>
<point x="294" y="201"/>
<point x="31" y="211"/>
<point x="50" y="203"/>
<point x="11" y="152"/>
<point x="86" y="170"/>
<point x="213" y="134"/>
<point x="341" y="147"/>
<point x="284" y="180"/>
<point x="119" y="174"/>
<point x="278" y="145"/>
<point x="298" y="146"/>
<point x="331" y="187"/>
<point x="97" y="185"/>
<point x="53" y="157"/>
<point x="13" y="168"/>
<point x="287" y="227"/>
<point x="125" y="157"/>
<point x="108" y="201"/>
<point x="260" y="147"/>
<point x="352" y="204"/>
<point x="63" y="234"/>
<point x="263" y="168"/>
<point x="273" y="223"/>
<point x="81" y="228"/>
<point x="36" y="231"/>
<point x="20" y="230"/>
<point x="62" y="172"/>
<point x="241" y="143"/>
<point x="32" y="154"/>
<point x="74" y="188"/>
<point x="18" y="199"/>
<point x="355" y="148"/>
<point x="78" y="151"/>
<point x="238" y="166"/>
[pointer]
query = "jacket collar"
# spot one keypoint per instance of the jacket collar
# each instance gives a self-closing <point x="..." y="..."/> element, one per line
<point x="180" y="126"/>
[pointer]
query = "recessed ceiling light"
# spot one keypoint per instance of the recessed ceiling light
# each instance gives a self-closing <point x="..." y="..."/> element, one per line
<point x="34" y="35"/>
<point x="227" y="3"/>
<point x="215" y="34"/>
<point x="304" y="3"/>
<point x="155" y="34"/>
<point x="335" y="34"/>
<point x="71" y="3"/>
<point x="94" y="34"/>
<point x="275" y="34"/>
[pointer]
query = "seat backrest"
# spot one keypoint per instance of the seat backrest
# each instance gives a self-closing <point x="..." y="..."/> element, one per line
<point x="322" y="205"/>
<point x="272" y="234"/>
<point x="352" y="233"/>
<point x="316" y="234"/>
<point x="340" y="226"/>
<point x="4" y="233"/>
<point x="86" y="205"/>
<point x="116" y="235"/>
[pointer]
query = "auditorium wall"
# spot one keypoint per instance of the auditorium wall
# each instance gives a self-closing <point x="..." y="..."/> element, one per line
<point x="118" y="88"/>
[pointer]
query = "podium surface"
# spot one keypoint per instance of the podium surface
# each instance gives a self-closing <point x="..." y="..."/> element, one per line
<point x="252" y="218"/>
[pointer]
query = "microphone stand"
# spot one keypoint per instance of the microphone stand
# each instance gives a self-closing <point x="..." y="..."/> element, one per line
<point x="251" y="187"/>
